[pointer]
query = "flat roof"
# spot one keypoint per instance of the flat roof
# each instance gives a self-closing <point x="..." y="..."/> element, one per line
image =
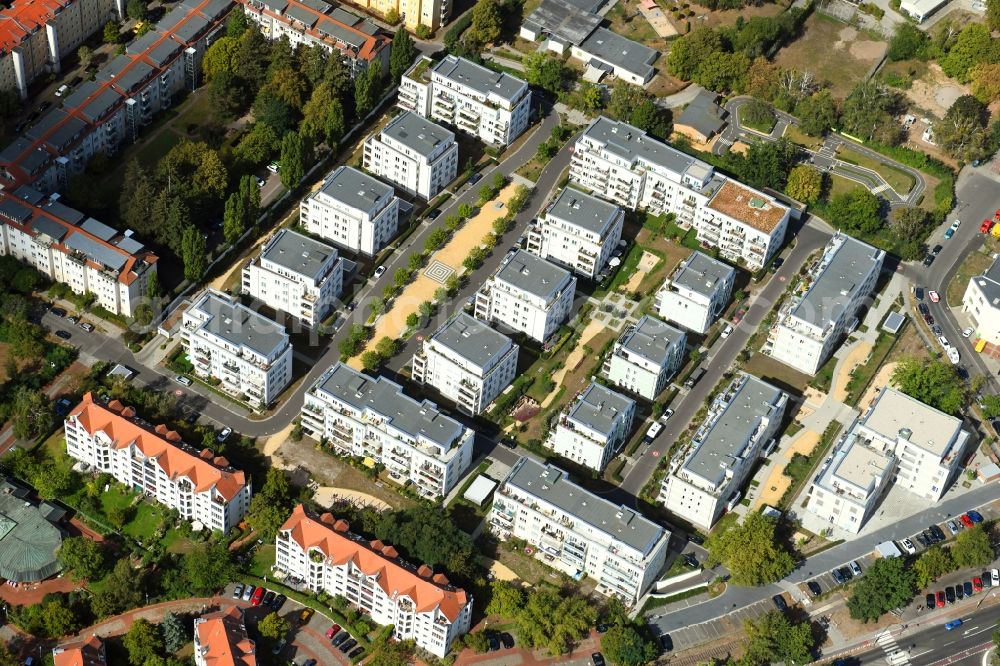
<point x="621" y="52"/>
<point x="894" y="413"/>
<point x="533" y="274"/>
<point x="482" y="80"/>
<point x="630" y="142"/>
<point x="652" y="339"/>
<point x="748" y="205"/>
<point x="354" y="188"/>
<point x="480" y="490"/>
<point x="416" y="133"/>
<point x="702" y="274"/>
<point x="564" y="20"/>
<point x="299" y="254"/>
<point x="239" y="325"/>
<point x="848" y="262"/>
<point x="472" y="339"/>
<point x="598" y="407"/>
<point x="583" y="210"/>
<point x="859" y="464"/>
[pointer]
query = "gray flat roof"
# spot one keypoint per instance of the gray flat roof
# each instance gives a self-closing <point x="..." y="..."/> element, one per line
<point x="344" y="16"/>
<point x="354" y="188"/>
<point x="241" y="326"/>
<point x="30" y="194"/>
<point x="298" y="253"/>
<point x="136" y="75"/>
<point x="629" y="142"/>
<point x="472" y="339"/>
<point x="303" y="15"/>
<point x="64" y="213"/>
<point x="482" y="80"/>
<point x="99" y="229"/>
<point x="101" y="105"/>
<point x="95" y="251"/>
<point x="49" y="227"/>
<point x="702" y="274"/>
<point x="66" y="132"/>
<point x="652" y="339"/>
<point x="116" y="66"/>
<point x="14" y="211"/>
<point x="335" y="30"/>
<point x="533" y="274"/>
<point x="192" y="28"/>
<point x="164" y="52"/>
<point x="45" y="124"/>
<point x="564" y="20"/>
<point x="129" y="244"/>
<point x="584" y="210"/>
<point x="141" y="44"/>
<point x="417" y="133"/>
<point x="216" y="8"/>
<point x="989" y="283"/>
<point x="837" y="285"/>
<point x="621" y="52"/>
<point x="894" y="412"/>
<point x="598" y="407"/>
<point x="552" y="485"/>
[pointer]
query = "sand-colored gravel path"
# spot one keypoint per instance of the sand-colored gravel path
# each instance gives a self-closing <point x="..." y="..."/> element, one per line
<point x="858" y="355"/>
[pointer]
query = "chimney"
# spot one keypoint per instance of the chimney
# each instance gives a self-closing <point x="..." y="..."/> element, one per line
<point x="161" y="430"/>
<point x="341" y="526"/>
<point x="390" y="552"/>
<point x="206" y="454"/>
<point x="220" y="462"/>
<point x="440" y="579"/>
<point x="425" y="571"/>
<point x="128" y="412"/>
<point x="327" y="518"/>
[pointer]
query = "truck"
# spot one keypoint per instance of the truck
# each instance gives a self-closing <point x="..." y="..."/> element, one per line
<point x="694" y="378"/>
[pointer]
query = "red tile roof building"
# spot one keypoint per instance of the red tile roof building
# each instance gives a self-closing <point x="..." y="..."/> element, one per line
<point x="89" y="652"/>
<point x="220" y="639"/>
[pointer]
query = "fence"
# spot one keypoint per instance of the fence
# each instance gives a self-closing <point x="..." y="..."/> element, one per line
<point x="851" y="15"/>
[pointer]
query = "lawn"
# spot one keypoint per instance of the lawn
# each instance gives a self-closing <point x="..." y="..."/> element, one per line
<point x="900" y="181"/>
<point x="795" y="135"/>
<point x="801" y="467"/>
<point x="840" y="185"/>
<point x="975" y="263"/>
<point x="863" y="374"/>
<point x="776" y="372"/>
<point x="671" y="254"/>
<point x="263" y="560"/>
<point x="147" y="518"/>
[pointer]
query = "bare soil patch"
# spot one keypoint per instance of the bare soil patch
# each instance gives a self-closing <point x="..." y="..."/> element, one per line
<point x="935" y="92"/>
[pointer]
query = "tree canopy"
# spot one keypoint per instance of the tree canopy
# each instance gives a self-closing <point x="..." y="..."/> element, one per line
<point x="935" y="383"/>
<point x="143" y="642"/>
<point x="626" y="646"/>
<point x="931" y="565"/>
<point x="972" y="548"/>
<point x="772" y="638"/>
<point x="749" y="549"/>
<point x="553" y="620"/>
<point x="856" y="210"/>
<point x="888" y="584"/>
<point x="82" y="557"/>
<point x="805" y="184"/>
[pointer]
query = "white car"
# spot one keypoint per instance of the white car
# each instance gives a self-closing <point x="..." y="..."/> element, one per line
<point x="995" y="577"/>
<point x="944" y="341"/>
<point x="953" y="356"/>
<point x="260" y="181"/>
<point x="378" y="272"/>
<point x="908" y="546"/>
<point x="727" y="331"/>
<point x="967" y="333"/>
<point x="274" y="167"/>
<point x="934" y="296"/>
<point x="666" y="415"/>
<point x="63" y="89"/>
<point x="181" y="379"/>
<point x="224" y="435"/>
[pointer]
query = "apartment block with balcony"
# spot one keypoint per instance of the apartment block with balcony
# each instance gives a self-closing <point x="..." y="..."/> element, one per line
<point x="421" y="605"/>
<point x="202" y="487"/>
<point x="824" y="305"/>
<point x="593" y="427"/>
<point x="707" y="476"/>
<point x="467" y="361"/>
<point x="527" y="294"/>
<point x="578" y="532"/>
<point x="746" y="225"/>
<point x="697" y="293"/>
<point x="646" y="356"/>
<point x="297" y="275"/>
<point x="577" y="231"/>
<point x="981" y="302"/>
<point x="244" y="353"/>
<point x="221" y="638"/>
<point x="373" y="418"/>
<point x="353" y="211"/>
<point x="414" y="154"/>
<point x="414" y="13"/>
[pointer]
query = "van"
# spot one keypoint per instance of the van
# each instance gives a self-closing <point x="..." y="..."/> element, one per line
<point x="653" y="432"/>
<point x="63" y="89"/>
<point x="995" y="578"/>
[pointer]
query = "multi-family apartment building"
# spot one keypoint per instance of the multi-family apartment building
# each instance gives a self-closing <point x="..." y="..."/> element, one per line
<point x="69" y="247"/>
<point x="593" y="427"/>
<point x="623" y="164"/>
<point x="467" y="361"/>
<point x="415" y="13"/>
<point x="356" y="40"/>
<point x="36" y="35"/>
<point x="353" y="211"/>
<point x="113" y="108"/>
<point x="297" y="275"/>
<point x="823" y="306"/>
<point x="491" y="106"/>
<point x="249" y="355"/>
<point x="221" y="639"/>
<point x="647" y="354"/>
<point x="981" y="302"/>
<point x="527" y="294"/>
<point x="86" y="652"/>
<point x="202" y="487"/>
<point x="415" y="154"/>
<point x="578" y="532"/>
<point x="697" y="292"/>
<point x="372" y="418"/>
<point x="420" y="605"/>
<point x="707" y="476"/>
<point x="577" y="231"/>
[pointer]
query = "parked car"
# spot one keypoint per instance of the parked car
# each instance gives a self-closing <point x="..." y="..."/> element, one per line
<point x="248" y="592"/>
<point x="967" y="332"/>
<point x="258" y="597"/>
<point x="930" y="601"/>
<point x="953" y="624"/>
<point x="934" y="296"/>
<point x="309" y="662"/>
<point x="278" y="602"/>
<point x="727" y="331"/>
<point x="63" y="89"/>
<point x="305" y="615"/>
<point x="995" y="577"/>
<point x="937" y="532"/>
<point x="274" y="167"/>
<point x="837" y="576"/>
<point x="73" y="320"/>
<point x="355" y="653"/>
<point x="908" y="546"/>
<point x="181" y="379"/>
<point x="279" y="646"/>
<point x="332" y="631"/>
<point x="949" y="594"/>
<point x="931" y="537"/>
<point x="937" y="250"/>
<point x="977" y="584"/>
<point x="919" y="293"/>
<point x="238" y="591"/>
<point x="959" y="591"/>
<point x="597" y="659"/>
<point x="87" y="326"/>
<point x="347" y="645"/>
<point x="475" y="178"/>
<point x="59" y="312"/>
<point x="966" y="521"/>
<point x="340" y="638"/>
<point x="953" y="526"/>
<point x="667" y="413"/>
<point x="975" y="516"/>
<point x="967" y="588"/>
<point x="224" y="435"/>
<point x="506" y="640"/>
<point x="260" y="181"/>
<point x="268" y="598"/>
<point x="928" y="260"/>
<point x="63" y="334"/>
<point x="940" y="599"/>
<point x="922" y="540"/>
<point x="985" y="227"/>
<point x="855" y="568"/>
<point x="814" y="588"/>
<point x="378" y="272"/>
<point x="923" y="309"/>
<point x="779" y="603"/>
<point x="929" y="319"/>
<point x="986" y="578"/>
<point x="666" y="643"/>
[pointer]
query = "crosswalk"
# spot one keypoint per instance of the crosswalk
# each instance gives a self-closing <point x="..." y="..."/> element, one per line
<point x="827" y="151"/>
<point x="881" y="188"/>
<point x="894" y="655"/>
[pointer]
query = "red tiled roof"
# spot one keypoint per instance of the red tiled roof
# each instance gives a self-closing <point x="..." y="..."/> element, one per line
<point x="22" y="19"/>
<point x="223" y="636"/>
<point x="89" y="652"/>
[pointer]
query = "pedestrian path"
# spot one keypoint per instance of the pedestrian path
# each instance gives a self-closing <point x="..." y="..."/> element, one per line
<point x="894" y="655"/>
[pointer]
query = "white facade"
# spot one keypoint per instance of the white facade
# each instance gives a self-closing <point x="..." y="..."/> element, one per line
<point x="414" y="154"/>
<point x="697" y="293"/>
<point x="467" y="362"/>
<point x="353" y="211"/>
<point x="919" y="10"/>
<point x="420" y="605"/>
<point x="249" y="354"/>
<point x="981" y="302"/>
<point x="297" y="275"/>
<point x="221" y="638"/>
<point x="645" y="357"/>
<point x="373" y="418"/>
<point x="527" y="294"/>
<point x="581" y="533"/>
<point x="593" y="427"/>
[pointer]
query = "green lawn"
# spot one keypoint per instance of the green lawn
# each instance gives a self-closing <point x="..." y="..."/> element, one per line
<point x="899" y="181"/>
<point x="840" y="185"/>
<point x="795" y="135"/>
<point x="263" y="559"/>
<point x="117" y="496"/>
<point x="147" y="518"/>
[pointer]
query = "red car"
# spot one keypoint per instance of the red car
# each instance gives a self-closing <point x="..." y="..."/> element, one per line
<point x="966" y="521"/>
<point x="333" y="631"/>
<point x="940" y="599"/>
<point x="977" y="584"/>
<point x="258" y="595"/>
<point x="986" y="226"/>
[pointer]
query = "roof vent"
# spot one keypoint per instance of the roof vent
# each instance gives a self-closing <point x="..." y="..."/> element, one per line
<point x="441" y="579"/>
<point x="161" y="429"/>
<point x="377" y="545"/>
<point x="128" y="412"/>
<point x="425" y="571"/>
<point x="341" y="526"/>
<point x="173" y="436"/>
<point x="327" y="518"/>
<point x="905" y="433"/>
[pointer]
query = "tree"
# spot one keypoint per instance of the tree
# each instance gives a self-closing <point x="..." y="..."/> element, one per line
<point x="194" y="253"/>
<point x="963" y="131"/>
<point x="402" y="54"/>
<point x="258" y="145"/>
<point x="137" y="194"/>
<point x="757" y="112"/>
<point x="749" y="550"/>
<point x="972" y="548"/>
<point x="271" y="110"/>
<point x="387" y="347"/>
<point x="486" y="23"/>
<point x="364" y="99"/>
<point x="195" y="171"/>
<point x="724" y="72"/>
<point x="142" y="642"/>
<point x="817" y="113"/>
<point x="221" y="58"/>
<point x="652" y="118"/>
<point x="371" y="360"/>
<point x="546" y="72"/>
<point x="111" y="33"/>
<point x="856" y="210"/>
<point x="766" y="164"/>
<point x="250" y="193"/>
<point x="689" y="51"/>
<point x="270" y="504"/>
<point x="625" y="646"/>
<point x="232" y="218"/>
<point x="869" y="106"/>
<point x="506" y="599"/>
<point x="85" y="55"/>
<point x="932" y="382"/>
<point x="81" y="557"/>
<point x="805" y="184"/>
<point x="323" y="117"/>
<point x="591" y="96"/>
<point x="985" y="80"/>
<point x="137" y="9"/>
<point x="174" y="632"/>
<point x="31" y="414"/>
<point x="772" y="638"/>
<point x="273" y="627"/>
<point x="294" y="154"/>
<point x="907" y="42"/>
<point x="552" y="620"/>
<point x="991" y="405"/>
<point x="887" y="585"/>
<point x="907" y="222"/>
<point x="59" y="619"/>
<point x="121" y="591"/>
<point x="207" y="569"/>
<point x="974" y="45"/>
<point x="227" y="94"/>
<point x="153" y="291"/>
<point x="428" y="534"/>
<point x="237" y="23"/>
<point x="762" y="79"/>
<point x="931" y="565"/>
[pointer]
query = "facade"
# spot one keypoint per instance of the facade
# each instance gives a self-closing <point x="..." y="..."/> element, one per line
<point x="221" y="639"/>
<point x="824" y="305"/>
<point x="527" y="294"/>
<point x="297" y="275"/>
<point x="415" y="154"/>
<point x="593" y="427"/>
<point x="478" y="101"/>
<point x="577" y="231"/>
<point x="248" y="353"/>
<point x="373" y="418"/>
<point x="67" y="246"/>
<point x="431" y="13"/>
<point x="87" y="652"/>
<point x="920" y="10"/>
<point x="421" y="605"/>
<point x="646" y="356"/>
<point x="200" y="485"/>
<point x="981" y="302"/>
<point x="697" y="293"/>
<point x="353" y="211"/>
<point x="467" y="362"/>
<point x="707" y="476"/>
<point x="579" y="532"/>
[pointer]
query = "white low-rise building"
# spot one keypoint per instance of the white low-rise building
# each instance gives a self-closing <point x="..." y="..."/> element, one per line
<point x="824" y="305"/>
<point x="579" y="532"/>
<point x="297" y="275"/>
<point x="420" y="605"/>
<point x="249" y="355"/>
<point x="981" y="302"/>
<point x="373" y="418"/>
<point x="707" y="476"/>
<point x="353" y="211"/>
<point x="467" y="361"/>
<point x="645" y="357"/>
<point x="527" y="294"/>
<point x="593" y="427"/>
<point x="697" y="293"/>
<point x="577" y="231"/>
<point x="413" y="153"/>
<point x="201" y="486"/>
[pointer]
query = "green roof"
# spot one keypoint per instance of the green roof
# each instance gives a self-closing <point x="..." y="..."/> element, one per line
<point x="28" y="542"/>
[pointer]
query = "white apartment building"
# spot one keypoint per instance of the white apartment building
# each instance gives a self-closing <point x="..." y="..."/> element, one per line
<point x="494" y="107"/>
<point x="297" y="275"/>
<point x="200" y="485"/>
<point x="467" y="362"/>
<point x="67" y="246"/>
<point x="419" y="604"/>
<point x="981" y="302"/>
<point x="221" y="639"/>
<point x="824" y="305"/>
<point x="593" y="427"/>
<point x="413" y="153"/>
<point x="707" y="476"/>
<point x="247" y="353"/>
<point x="746" y="225"/>
<point x="373" y="418"/>
<point x="577" y="231"/>
<point x="527" y="294"/>
<point x="697" y="293"/>
<point x="578" y="531"/>
<point x="353" y="211"/>
<point x="647" y="354"/>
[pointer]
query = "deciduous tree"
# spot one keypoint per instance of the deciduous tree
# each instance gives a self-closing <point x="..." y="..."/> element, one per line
<point x="749" y="549"/>
<point x="122" y="590"/>
<point x="689" y="51"/>
<point x="295" y="154"/>
<point x="625" y="646"/>
<point x="221" y="58"/>
<point x="907" y="222"/>
<point x="81" y="557"/>
<point x="31" y="415"/>
<point x="817" y="113"/>
<point x="972" y="548"/>
<point x="805" y="184"/>
<point x="856" y="210"/>
<point x="973" y="45"/>
<point x="273" y="627"/>
<point x="402" y="54"/>
<point x="142" y="642"/>
<point x="935" y="383"/>
<point x="931" y="565"/>
<point x="486" y="23"/>
<point x="194" y="253"/>
<point x="888" y="584"/>
<point x="553" y="620"/>
<point x="546" y="72"/>
<point x="772" y="638"/>
<point x="985" y="80"/>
